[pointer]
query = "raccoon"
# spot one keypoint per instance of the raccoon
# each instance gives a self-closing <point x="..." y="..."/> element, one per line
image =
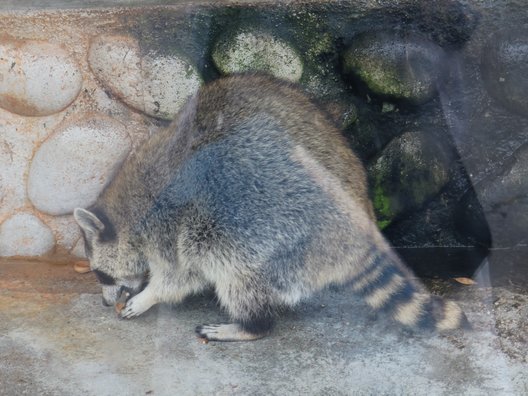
<point x="254" y="192"/>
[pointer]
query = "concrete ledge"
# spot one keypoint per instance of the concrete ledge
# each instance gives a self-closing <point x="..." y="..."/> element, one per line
<point x="58" y="339"/>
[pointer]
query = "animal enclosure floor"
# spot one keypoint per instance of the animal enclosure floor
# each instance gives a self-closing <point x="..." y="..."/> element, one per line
<point x="56" y="338"/>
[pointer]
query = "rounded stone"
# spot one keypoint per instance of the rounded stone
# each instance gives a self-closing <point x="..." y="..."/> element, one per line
<point x="23" y="234"/>
<point x="71" y="168"/>
<point x="504" y="70"/>
<point x="252" y="50"/>
<point x="16" y="149"/>
<point x="157" y="85"/>
<point x="410" y="170"/>
<point x="396" y="66"/>
<point x="37" y="78"/>
<point x="168" y="82"/>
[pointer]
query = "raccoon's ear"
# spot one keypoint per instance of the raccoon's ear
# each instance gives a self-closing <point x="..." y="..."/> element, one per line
<point x="88" y="221"/>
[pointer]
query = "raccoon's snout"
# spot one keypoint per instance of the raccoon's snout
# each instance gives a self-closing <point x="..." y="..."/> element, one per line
<point x="106" y="303"/>
<point x="122" y="290"/>
<point x="111" y="294"/>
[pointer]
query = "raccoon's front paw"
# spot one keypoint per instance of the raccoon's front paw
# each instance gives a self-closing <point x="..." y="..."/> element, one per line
<point x="137" y="305"/>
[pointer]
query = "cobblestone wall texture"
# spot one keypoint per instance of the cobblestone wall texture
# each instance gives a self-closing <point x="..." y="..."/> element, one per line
<point x="430" y="94"/>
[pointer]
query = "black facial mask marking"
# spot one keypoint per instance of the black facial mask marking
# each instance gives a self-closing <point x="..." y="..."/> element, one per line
<point x="104" y="278"/>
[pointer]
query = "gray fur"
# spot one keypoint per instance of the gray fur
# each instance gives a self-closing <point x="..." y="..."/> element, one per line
<point x="254" y="192"/>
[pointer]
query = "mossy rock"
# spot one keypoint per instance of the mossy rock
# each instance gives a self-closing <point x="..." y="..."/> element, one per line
<point x="410" y="170"/>
<point x="253" y="49"/>
<point x="404" y="67"/>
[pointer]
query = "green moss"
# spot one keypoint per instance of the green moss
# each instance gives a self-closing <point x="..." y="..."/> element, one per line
<point x="408" y="174"/>
<point x="381" y="79"/>
<point x="382" y="205"/>
<point x="383" y="224"/>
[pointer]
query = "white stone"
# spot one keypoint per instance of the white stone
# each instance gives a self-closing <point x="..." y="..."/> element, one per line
<point x="116" y="62"/>
<point x="168" y="82"/>
<point x="16" y="149"/>
<point x="37" y="78"/>
<point x="71" y="168"/>
<point x="154" y="84"/>
<point x="25" y="235"/>
<point x="257" y="51"/>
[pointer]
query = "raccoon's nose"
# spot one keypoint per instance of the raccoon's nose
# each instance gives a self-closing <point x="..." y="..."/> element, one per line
<point x="105" y="303"/>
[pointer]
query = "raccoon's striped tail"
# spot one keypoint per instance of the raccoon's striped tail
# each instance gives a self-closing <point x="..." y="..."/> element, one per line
<point x="386" y="284"/>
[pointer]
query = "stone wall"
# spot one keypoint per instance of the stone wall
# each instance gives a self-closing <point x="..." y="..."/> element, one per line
<point x="430" y="94"/>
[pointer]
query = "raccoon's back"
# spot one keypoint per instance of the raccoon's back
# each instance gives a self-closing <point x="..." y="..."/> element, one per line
<point x="251" y="185"/>
<point x="231" y="109"/>
<point x="226" y="104"/>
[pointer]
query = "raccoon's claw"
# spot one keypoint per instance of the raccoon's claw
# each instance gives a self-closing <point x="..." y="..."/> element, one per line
<point x="225" y="332"/>
<point x="129" y="312"/>
<point x="204" y="331"/>
<point x="136" y="306"/>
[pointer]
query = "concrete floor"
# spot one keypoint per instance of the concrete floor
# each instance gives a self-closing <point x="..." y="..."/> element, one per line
<point x="56" y="338"/>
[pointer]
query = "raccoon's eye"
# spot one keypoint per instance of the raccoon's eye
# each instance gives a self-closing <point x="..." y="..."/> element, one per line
<point x="104" y="278"/>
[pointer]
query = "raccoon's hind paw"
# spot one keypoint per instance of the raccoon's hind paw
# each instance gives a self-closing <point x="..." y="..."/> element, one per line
<point x="226" y="332"/>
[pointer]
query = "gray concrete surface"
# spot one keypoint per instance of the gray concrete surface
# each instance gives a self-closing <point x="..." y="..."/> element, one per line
<point x="57" y="339"/>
